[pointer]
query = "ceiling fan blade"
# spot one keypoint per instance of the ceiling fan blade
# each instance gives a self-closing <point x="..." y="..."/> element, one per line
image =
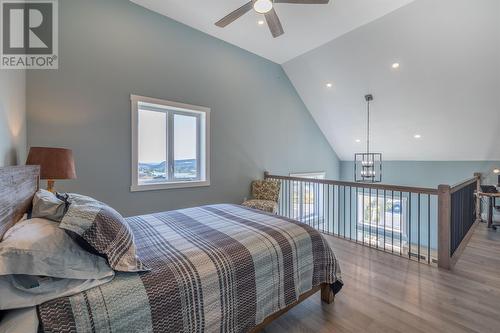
<point x="274" y="23"/>
<point x="235" y="15"/>
<point x="304" y="2"/>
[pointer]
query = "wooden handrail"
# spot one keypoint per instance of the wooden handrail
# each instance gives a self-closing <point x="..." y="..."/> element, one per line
<point x="396" y="188"/>
<point x="459" y="186"/>
<point x="444" y="194"/>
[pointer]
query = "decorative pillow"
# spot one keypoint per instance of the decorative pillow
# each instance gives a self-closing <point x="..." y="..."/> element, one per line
<point x="49" y="205"/>
<point x="39" y="247"/>
<point x="104" y="230"/>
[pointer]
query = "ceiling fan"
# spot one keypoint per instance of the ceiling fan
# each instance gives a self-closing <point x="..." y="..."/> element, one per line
<point x="265" y="7"/>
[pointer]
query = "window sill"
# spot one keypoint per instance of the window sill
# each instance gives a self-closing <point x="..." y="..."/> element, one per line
<point x="169" y="186"/>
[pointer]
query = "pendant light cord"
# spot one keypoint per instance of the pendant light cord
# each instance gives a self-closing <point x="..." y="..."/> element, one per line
<point x="368" y="129"/>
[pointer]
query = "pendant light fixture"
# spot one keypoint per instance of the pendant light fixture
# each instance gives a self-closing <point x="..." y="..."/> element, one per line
<point x="368" y="165"/>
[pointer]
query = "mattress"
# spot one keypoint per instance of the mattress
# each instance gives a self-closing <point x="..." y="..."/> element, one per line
<point x="220" y="268"/>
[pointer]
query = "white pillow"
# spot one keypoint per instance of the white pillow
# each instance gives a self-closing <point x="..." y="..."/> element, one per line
<point x="39" y="247"/>
<point x="20" y="321"/>
<point x="39" y="262"/>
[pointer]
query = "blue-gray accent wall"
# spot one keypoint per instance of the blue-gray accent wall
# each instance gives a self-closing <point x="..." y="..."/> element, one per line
<point x="428" y="173"/>
<point x="111" y="49"/>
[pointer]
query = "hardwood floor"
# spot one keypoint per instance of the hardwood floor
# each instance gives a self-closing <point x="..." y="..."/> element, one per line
<point x="385" y="293"/>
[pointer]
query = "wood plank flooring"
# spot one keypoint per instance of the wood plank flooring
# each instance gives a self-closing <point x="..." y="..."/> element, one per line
<point x="385" y="293"/>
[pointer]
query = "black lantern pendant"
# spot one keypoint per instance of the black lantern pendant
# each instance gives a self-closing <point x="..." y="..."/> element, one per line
<point x="368" y="166"/>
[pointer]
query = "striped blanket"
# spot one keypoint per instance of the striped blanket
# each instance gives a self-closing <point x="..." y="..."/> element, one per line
<point x="221" y="268"/>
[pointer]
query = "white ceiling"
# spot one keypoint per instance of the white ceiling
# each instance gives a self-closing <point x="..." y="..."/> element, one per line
<point x="306" y="26"/>
<point x="447" y="88"/>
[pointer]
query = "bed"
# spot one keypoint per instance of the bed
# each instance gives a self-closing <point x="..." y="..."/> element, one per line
<point x="223" y="268"/>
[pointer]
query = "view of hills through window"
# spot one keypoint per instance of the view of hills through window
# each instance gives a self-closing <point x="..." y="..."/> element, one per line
<point x="150" y="173"/>
<point x="154" y="137"/>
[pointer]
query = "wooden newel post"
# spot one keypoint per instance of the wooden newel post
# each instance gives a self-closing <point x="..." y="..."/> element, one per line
<point x="444" y="226"/>
<point x="478" y="176"/>
<point x="266" y="174"/>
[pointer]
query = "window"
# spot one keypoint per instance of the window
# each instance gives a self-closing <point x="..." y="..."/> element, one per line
<point x="378" y="218"/>
<point x="170" y="144"/>
<point x="307" y="198"/>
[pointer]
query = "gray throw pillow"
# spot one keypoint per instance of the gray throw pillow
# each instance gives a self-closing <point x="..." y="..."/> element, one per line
<point x="49" y="206"/>
<point x="103" y="231"/>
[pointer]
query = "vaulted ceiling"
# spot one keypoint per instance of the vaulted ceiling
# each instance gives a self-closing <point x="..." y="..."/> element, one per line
<point x="306" y="26"/>
<point x="445" y="89"/>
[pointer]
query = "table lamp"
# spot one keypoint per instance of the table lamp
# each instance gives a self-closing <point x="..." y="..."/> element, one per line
<point x="55" y="164"/>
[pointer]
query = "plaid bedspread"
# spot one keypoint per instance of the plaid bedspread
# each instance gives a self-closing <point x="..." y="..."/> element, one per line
<point x="221" y="268"/>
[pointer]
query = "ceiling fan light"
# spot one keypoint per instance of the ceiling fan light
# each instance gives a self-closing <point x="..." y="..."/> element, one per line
<point x="263" y="6"/>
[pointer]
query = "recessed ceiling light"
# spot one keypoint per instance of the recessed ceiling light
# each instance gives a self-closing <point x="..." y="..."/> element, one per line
<point x="358" y="140"/>
<point x="417" y="136"/>
<point x="263" y="6"/>
<point x="329" y="85"/>
<point x="496" y="171"/>
<point x="260" y="22"/>
<point x="395" y="65"/>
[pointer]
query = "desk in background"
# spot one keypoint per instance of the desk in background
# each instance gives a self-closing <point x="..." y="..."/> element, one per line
<point x="491" y="204"/>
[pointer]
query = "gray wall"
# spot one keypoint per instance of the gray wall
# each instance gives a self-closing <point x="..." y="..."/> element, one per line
<point x="12" y="117"/>
<point x="110" y="49"/>
<point x="428" y="173"/>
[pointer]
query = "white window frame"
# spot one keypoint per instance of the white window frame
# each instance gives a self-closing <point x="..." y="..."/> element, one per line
<point x="403" y="215"/>
<point x="300" y="204"/>
<point x="203" y="146"/>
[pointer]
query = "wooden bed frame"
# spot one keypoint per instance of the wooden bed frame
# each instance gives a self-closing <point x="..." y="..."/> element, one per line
<point x="327" y="296"/>
<point x="19" y="184"/>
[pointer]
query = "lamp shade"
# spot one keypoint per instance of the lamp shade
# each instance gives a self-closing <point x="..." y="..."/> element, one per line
<point x="55" y="163"/>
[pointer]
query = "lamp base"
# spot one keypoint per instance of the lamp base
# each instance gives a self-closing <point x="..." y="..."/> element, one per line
<point x="50" y="186"/>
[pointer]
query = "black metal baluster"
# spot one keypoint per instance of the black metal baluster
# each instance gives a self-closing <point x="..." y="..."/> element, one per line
<point x="297" y="201"/>
<point x="343" y="211"/>
<point x="290" y="194"/>
<point x="428" y="228"/>
<point x="409" y="224"/>
<point x="338" y="208"/>
<point x="356" y="215"/>
<point x="281" y="198"/>
<point x="377" y="211"/>
<point x="370" y="215"/>
<point x="324" y="207"/>
<point x="363" y="216"/>
<point x="288" y="191"/>
<point x="401" y="223"/>
<point x="333" y="208"/>
<point x="384" y="211"/>
<point x="317" y="205"/>
<point x="392" y="222"/>
<point x="328" y="207"/>
<point x="307" y="200"/>
<point x="350" y="212"/>
<point x="418" y="228"/>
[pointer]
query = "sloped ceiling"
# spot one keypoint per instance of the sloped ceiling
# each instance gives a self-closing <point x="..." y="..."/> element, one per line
<point x="447" y="88"/>
<point x="306" y="26"/>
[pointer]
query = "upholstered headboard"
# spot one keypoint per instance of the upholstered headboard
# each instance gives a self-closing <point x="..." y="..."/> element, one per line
<point x="17" y="186"/>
